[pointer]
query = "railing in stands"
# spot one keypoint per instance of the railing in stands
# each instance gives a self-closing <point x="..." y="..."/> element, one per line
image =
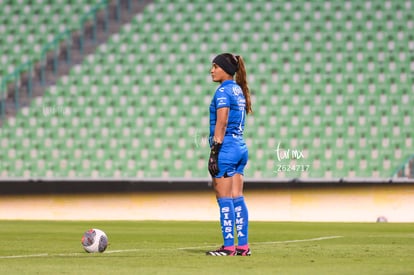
<point x="405" y="170"/>
<point x="13" y="81"/>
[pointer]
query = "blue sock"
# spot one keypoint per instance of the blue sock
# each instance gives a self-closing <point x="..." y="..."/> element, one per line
<point x="241" y="220"/>
<point x="227" y="220"/>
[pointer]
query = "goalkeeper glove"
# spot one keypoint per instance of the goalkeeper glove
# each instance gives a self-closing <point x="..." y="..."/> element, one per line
<point x="213" y="160"/>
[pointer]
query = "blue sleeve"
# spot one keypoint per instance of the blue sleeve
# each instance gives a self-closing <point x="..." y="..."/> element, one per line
<point x="221" y="99"/>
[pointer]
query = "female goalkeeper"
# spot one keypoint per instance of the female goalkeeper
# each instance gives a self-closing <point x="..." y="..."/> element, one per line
<point x="229" y="154"/>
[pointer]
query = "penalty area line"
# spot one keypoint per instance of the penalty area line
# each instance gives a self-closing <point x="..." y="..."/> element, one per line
<point x="24" y="256"/>
<point x="274" y="242"/>
<point x="163" y="249"/>
<point x="300" y="241"/>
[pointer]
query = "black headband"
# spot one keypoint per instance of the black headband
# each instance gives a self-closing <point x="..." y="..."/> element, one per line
<point x="227" y="62"/>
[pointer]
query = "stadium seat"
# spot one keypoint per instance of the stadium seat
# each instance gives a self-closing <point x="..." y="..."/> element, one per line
<point x="27" y="27"/>
<point x="328" y="78"/>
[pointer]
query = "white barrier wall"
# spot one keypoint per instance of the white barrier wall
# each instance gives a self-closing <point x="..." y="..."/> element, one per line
<point x="363" y="204"/>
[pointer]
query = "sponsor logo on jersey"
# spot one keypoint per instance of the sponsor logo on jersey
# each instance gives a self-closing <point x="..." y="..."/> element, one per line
<point x="221" y="101"/>
<point x="237" y="90"/>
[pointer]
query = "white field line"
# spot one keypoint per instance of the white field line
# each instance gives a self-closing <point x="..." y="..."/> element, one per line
<point x="275" y="242"/>
<point x="162" y="249"/>
<point x="24" y="256"/>
<point x="300" y="241"/>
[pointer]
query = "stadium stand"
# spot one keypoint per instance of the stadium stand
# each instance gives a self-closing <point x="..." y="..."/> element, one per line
<point x="27" y="26"/>
<point x="332" y="85"/>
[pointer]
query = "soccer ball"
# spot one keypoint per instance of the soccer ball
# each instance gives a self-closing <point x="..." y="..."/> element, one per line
<point x="94" y="240"/>
<point x="382" y="219"/>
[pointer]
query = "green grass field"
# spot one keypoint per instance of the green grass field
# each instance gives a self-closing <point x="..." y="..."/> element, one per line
<point x="155" y="247"/>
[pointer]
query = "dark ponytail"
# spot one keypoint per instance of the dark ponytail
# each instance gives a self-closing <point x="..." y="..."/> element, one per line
<point x="241" y="79"/>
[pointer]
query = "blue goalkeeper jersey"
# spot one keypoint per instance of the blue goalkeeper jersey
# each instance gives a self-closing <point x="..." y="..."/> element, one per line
<point x="230" y="95"/>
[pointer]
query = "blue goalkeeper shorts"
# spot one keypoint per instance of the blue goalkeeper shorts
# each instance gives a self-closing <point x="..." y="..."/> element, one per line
<point x="232" y="157"/>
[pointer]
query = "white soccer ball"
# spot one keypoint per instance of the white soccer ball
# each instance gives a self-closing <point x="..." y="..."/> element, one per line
<point x="382" y="219"/>
<point x="94" y="240"/>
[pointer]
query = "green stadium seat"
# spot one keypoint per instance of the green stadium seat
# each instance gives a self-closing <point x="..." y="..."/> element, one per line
<point x="136" y="104"/>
